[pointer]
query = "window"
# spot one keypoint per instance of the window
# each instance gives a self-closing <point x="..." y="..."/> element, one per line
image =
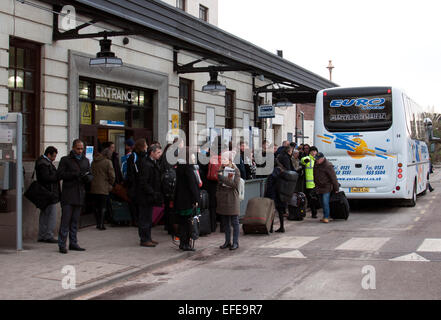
<point x="203" y="13"/>
<point x="180" y="4"/>
<point x="24" y="91"/>
<point x="185" y="106"/>
<point x="229" y="109"/>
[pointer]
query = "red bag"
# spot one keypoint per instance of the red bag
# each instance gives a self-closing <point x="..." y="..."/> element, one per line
<point x="213" y="167"/>
<point x="158" y="214"/>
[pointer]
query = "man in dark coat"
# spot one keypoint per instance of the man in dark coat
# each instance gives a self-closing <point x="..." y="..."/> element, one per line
<point x="325" y="181"/>
<point x="74" y="170"/>
<point x="47" y="177"/>
<point x="147" y="189"/>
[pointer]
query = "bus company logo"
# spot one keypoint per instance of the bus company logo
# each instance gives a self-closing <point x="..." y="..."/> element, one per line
<point x="356" y="147"/>
<point x="363" y="103"/>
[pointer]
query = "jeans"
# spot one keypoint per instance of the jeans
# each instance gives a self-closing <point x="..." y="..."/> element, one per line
<point x="325" y="203"/>
<point x="47" y="222"/>
<point x="145" y="223"/>
<point x="227" y="221"/>
<point x="69" y="225"/>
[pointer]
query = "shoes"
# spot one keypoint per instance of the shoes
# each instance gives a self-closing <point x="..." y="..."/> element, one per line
<point x="225" y="245"/>
<point x="62" y="250"/>
<point x="324" y="220"/>
<point x="431" y="189"/>
<point x="48" y="240"/>
<point x="76" y="248"/>
<point x="281" y="230"/>
<point x="187" y="247"/>
<point x="148" y="244"/>
<point x="235" y="246"/>
<point x="155" y="242"/>
<point x="314" y="216"/>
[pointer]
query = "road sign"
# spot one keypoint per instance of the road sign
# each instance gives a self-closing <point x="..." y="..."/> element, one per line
<point x="266" y="111"/>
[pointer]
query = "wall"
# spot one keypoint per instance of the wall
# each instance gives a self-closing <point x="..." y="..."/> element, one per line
<point x="192" y="7"/>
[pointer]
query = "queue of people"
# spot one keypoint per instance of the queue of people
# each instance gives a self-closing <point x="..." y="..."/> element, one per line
<point x="148" y="180"/>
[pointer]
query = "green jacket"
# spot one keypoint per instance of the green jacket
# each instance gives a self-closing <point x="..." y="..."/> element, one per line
<point x="309" y="171"/>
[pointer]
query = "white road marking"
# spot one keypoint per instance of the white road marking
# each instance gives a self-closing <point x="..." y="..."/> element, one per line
<point x="417" y="219"/>
<point x="430" y="245"/>
<point x="289" y="242"/>
<point x="363" y="244"/>
<point x="414" y="257"/>
<point x="296" y="254"/>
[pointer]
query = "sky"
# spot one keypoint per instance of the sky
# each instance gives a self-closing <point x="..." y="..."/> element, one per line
<point x="387" y="42"/>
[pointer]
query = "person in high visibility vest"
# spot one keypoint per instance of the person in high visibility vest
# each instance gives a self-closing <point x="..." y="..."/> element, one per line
<point x="308" y="163"/>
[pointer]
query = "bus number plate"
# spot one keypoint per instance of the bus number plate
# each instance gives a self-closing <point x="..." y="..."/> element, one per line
<point x="359" y="190"/>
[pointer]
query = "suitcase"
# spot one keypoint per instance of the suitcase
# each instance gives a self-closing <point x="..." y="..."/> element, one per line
<point x="296" y="207"/>
<point x="204" y="222"/>
<point x="157" y="215"/>
<point x="259" y="216"/>
<point x="286" y="185"/>
<point x="120" y="214"/>
<point x="204" y="202"/>
<point x="339" y="206"/>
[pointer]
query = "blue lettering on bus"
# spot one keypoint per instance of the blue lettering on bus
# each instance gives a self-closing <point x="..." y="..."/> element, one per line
<point x="361" y="102"/>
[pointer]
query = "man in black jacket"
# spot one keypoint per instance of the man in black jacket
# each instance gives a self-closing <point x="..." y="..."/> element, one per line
<point x="74" y="170"/>
<point x="147" y="190"/>
<point x="47" y="177"/>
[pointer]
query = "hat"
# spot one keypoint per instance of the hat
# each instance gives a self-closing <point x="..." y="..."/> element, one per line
<point x="130" y="142"/>
<point x="319" y="156"/>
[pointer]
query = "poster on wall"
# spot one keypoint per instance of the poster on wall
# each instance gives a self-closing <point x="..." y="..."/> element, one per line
<point x="175" y="124"/>
<point x="89" y="153"/>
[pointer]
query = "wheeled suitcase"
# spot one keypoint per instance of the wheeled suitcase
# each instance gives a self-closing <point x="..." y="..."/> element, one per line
<point x="259" y="216"/>
<point x="120" y="213"/>
<point x="296" y="207"/>
<point x="204" y="202"/>
<point x="157" y="215"/>
<point x="339" y="205"/>
<point x="204" y="222"/>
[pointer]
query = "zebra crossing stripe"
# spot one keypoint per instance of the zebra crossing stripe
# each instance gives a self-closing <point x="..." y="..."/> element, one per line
<point x="363" y="244"/>
<point x="289" y="242"/>
<point x="430" y="245"/>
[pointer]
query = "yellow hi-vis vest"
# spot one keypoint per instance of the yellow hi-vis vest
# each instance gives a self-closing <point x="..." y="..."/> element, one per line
<point x="309" y="171"/>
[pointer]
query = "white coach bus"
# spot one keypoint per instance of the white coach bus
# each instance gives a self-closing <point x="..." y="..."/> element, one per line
<point x="375" y="138"/>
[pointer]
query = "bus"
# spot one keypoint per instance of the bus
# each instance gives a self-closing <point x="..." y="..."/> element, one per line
<point x="375" y="138"/>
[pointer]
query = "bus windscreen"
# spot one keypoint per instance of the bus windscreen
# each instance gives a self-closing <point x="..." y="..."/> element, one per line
<point x="347" y="111"/>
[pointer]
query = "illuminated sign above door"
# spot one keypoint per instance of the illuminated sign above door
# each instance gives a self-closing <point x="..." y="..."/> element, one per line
<point x="115" y="93"/>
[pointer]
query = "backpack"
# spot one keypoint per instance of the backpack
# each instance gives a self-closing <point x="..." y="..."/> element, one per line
<point x="168" y="183"/>
<point x="213" y="168"/>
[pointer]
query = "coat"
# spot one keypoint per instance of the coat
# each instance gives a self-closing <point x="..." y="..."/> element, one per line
<point x="309" y="171"/>
<point x="284" y="159"/>
<point x="187" y="191"/>
<point x="325" y="178"/>
<point x="73" y="173"/>
<point x="228" y="203"/>
<point x="46" y="174"/>
<point x="147" y="182"/>
<point x="103" y="175"/>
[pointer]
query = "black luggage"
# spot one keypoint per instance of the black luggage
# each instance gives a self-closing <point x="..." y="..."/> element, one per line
<point x="120" y="212"/>
<point x="204" y="200"/>
<point x="259" y="216"/>
<point x="204" y="222"/>
<point x="339" y="206"/>
<point x="286" y="185"/>
<point x="296" y="207"/>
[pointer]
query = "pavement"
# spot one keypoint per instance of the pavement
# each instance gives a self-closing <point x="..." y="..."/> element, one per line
<point x="111" y="255"/>
<point x="114" y="255"/>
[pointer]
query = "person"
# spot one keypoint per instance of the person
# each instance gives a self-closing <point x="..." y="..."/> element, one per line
<point x="102" y="183"/>
<point x="282" y="148"/>
<point x="243" y="161"/>
<point x="306" y="150"/>
<point x="128" y="146"/>
<point x="430" y="172"/>
<point x="260" y="157"/>
<point x="147" y="189"/>
<point x="295" y="160"/>
<point x="211" y="185"/>
<point x="47" y="177"/>
<point x="186" y="196"/>
<point x="74" y="170"/>
<point x="228" y="204"/>
<point x="115" y="161"/>
<point x="325" y="181"/>
<point x="168" y="171"/>
<point x="308" y="163"/>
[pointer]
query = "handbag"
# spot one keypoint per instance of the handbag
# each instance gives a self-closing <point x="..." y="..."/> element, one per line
<point x="195" y="225"/>
<point x="39" y="195"/>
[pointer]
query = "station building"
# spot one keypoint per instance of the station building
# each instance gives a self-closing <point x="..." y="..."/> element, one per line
<point x="169" y="51"/>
